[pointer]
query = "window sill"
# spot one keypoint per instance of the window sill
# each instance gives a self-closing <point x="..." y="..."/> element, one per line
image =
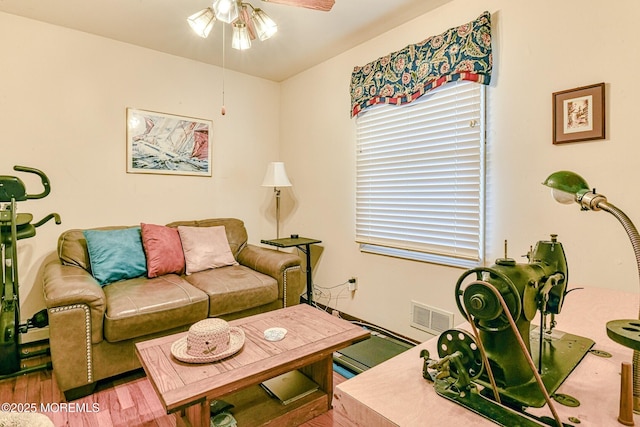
<point x="420" y="256"/>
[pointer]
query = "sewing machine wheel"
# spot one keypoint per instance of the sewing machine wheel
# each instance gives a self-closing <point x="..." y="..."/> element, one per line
<point x="457" y="340"/>
<point x="479" y="300"/>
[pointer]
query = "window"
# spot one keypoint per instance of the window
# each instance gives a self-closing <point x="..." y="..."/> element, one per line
<point x="420" y="177"/>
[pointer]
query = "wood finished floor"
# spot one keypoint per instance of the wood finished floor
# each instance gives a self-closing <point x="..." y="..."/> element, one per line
<point x="125" y="401"/>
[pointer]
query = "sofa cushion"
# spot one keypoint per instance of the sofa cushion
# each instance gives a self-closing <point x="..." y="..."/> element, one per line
<point x="163" y="249"/>
<point x="142" y="306"/>
<point x="234" y="288"/>
<point x="205" y="248"/>
<point x="115" y="254"/>
<point x="236" y="232"/>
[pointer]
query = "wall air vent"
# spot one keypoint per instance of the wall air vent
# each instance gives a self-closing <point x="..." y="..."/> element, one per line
<point x="430" y="319"/>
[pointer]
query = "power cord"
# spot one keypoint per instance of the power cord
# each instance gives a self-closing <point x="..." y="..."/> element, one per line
<point x="379" y="330"/>
<point x="331" y="287"/>
<point x="319" y="292"/>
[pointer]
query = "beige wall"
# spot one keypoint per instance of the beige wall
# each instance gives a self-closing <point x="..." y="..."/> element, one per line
<point x="62" y="108"/>
<point x="63" y="99"/>
<point x="539" y="48"/>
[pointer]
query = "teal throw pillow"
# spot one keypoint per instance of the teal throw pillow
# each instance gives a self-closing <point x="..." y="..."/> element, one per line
<point x="115" y="254"/>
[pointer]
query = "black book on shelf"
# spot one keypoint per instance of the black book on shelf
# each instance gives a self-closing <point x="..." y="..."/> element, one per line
<point x="290" y="387"/>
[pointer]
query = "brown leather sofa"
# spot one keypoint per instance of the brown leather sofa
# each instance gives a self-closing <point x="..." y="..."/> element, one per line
<point x="93" y="329"/>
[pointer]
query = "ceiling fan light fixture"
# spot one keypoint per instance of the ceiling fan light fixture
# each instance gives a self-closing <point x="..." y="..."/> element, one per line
<point x="226" y="10"/>
<point x="247" y="24"/>
<point x="265" y="26"/>
<point x="241" y="39"/>
<point x="202" y="22"/>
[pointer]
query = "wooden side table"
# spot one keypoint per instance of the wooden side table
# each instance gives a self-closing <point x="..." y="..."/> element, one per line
<point x="303" y="244"/>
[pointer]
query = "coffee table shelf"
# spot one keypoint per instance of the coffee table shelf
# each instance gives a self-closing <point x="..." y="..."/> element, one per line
<point x="254" y="407"/>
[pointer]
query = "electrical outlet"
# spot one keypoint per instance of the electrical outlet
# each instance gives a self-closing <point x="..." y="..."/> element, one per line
<point x="353" y="283"/>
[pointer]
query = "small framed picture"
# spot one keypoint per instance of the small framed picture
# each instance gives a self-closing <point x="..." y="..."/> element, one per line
<point x="161" y="143"/>
<point x="578" y="114"/>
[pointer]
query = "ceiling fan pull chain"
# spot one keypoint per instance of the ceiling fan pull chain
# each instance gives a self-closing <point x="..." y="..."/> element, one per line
<point x="223" y="110"/>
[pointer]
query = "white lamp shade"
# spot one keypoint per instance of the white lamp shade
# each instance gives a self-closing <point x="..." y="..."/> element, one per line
<point x="241" y="39"/>
<point x="202" y="22"/>
<point x="276" y="176"/>
<point x="226" y="10"/>
<point x="265" y="27"/>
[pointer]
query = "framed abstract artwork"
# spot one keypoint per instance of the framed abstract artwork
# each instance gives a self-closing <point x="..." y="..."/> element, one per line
<point x="160" y="143"/>
<point x="579" y="114"/>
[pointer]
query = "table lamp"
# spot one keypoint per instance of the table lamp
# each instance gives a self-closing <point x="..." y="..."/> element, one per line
<point x="568" y="187"/>
<point x="276" y="177"/>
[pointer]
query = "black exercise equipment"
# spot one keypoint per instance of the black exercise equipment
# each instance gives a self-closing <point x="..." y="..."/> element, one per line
<point x="13" y="227"/>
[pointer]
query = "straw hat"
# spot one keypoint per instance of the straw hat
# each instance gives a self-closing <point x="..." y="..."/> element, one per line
<point x="207" y="341"/>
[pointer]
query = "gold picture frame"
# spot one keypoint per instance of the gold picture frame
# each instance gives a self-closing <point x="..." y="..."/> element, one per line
<point x="579" y="114"/>
<point x="160" y="143"/>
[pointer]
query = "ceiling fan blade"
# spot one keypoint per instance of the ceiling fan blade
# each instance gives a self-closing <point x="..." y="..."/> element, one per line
<point x="323" y="5"/>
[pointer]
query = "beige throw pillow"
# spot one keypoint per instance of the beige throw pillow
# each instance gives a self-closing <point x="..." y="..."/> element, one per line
<point x="205" y="248"/>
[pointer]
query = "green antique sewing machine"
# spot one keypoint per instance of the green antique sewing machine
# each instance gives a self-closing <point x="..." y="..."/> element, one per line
<point x="508" y="364"/>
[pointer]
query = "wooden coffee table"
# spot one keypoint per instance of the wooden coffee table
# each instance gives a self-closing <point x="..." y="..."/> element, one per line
<point x="312" y="337"/>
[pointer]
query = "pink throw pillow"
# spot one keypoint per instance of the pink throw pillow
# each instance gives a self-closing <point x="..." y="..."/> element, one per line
<point x="205" y="248"/>
<point x="163" y="249"/>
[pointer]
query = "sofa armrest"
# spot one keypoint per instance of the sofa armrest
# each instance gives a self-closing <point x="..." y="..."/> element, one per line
<point x="69" y="286"/>
<point x="283" y="266"/>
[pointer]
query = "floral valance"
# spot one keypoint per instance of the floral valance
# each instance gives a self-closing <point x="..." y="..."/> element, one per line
<point x="460" y="53"/>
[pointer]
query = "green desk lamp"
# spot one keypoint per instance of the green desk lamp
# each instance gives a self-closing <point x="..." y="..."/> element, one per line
<point x="568" y="187"/>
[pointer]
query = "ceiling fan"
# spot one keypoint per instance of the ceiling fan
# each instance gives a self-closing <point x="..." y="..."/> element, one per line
<point x="323" y="5"/>
<point x="248" y="22"/>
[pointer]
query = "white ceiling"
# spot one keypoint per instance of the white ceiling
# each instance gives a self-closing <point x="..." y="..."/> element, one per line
<point x="305" y="37"/>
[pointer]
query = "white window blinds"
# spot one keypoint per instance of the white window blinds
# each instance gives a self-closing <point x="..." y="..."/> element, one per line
<point x="420" y="177"/>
